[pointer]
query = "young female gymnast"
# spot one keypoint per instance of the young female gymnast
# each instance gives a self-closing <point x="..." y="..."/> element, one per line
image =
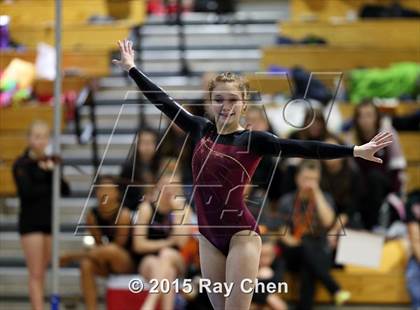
<point x="224" y="159"/>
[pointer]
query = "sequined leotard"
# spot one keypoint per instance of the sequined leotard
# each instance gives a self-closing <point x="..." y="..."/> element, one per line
<point x="223" y="164"/>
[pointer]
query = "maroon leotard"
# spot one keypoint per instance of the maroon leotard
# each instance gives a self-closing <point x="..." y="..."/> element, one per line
<point x="222" y="164"/>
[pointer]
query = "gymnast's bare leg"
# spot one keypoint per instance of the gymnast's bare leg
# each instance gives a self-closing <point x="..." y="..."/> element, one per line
<point x="242" y="263"/>
<point x="213" y="266"/>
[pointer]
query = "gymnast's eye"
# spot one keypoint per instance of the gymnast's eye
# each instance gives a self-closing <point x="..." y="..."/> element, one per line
<point x="218" y="99"/>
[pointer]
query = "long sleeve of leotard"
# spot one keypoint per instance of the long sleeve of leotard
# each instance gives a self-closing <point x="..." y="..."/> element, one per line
<point x="172" y="109"/>
<point x="265" y="143"/>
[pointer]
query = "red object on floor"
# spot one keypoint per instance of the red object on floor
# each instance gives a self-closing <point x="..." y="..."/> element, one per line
<point x="119" y="297"/>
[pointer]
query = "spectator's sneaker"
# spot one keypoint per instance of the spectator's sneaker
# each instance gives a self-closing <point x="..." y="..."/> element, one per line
<point x="341" y="297"/>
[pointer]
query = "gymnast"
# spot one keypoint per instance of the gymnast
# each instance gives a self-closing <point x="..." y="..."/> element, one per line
<point x="224" y="159"/>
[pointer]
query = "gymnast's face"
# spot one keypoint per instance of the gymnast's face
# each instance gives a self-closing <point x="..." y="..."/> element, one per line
<point x="227" y="105"/>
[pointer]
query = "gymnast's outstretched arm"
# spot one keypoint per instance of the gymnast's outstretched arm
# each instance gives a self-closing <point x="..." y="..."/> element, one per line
<point x="265" y="143"/>
<point x="156" y="95"/>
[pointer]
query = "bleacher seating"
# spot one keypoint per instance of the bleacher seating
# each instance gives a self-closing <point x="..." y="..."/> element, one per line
<point x="351" y="43"/>
<point x="93" y="63"/>
<point x="393" y="33"/>
<point x="383" y="285"/>
<point x="77" y="32"/>
<point x="73" y="11"/>
<point x="335" y="58"/>
<point x="17" y="119"/>
<point x="327" y="10"/>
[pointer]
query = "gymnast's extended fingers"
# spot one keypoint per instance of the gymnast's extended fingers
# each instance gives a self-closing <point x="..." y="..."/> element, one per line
<point x="379" y="136"/>
<point x="130" y="47"/>
<point x="384" y="139"/>
<point x="383" y="144"/>
<point x="127" y="46"/>
<point x="119" y="43"/>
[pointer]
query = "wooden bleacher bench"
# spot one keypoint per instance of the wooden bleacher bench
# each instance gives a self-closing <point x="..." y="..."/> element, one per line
<point x="74" y="37"/>
<point x="366" y="288"/>
<point x="351" y="43"/>
<point x="33" y="21"/>
<point x="274" y="83"/>
<point x="93" y="63"/>
<point x="325" y="10"/>
<point x="17" y="119"/>
<point x="7" y="184"/>
<point x="132" y="10"/>
<point x="413" y="175"/>
<point x="11" y="146"/>
<point x="389" y="33"/>
<point x="383" y="285"/>
<point x="73" y="11"/>
<point x="410" y="142"/>
<point x="333" y="58"/>
<point x="75" y="83"/>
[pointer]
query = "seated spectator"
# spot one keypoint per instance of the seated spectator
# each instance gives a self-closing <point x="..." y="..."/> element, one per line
<point x="413" y="267"/>
<point x="307" y="215"/>
<point x="157" y="238"/>
<point x="141" y="168"/>
<point x="109" y="224"/>
<point x="269" y="271"/>
<point x="340" y="178"/>
<point x="378" y="181"/>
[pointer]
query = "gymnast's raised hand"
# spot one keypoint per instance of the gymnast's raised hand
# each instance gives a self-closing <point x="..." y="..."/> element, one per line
<point x="127" y="55"/>
<point x="367" y="151"/>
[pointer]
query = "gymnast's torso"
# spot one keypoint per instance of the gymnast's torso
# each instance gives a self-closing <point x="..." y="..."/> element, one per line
<point x="223" y="164"/>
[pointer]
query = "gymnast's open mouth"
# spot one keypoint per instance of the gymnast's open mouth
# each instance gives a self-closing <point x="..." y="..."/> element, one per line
<point x="226" y="115"/>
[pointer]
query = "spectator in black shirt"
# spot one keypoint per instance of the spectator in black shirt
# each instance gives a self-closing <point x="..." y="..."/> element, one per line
<point x="32" y="173"/>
